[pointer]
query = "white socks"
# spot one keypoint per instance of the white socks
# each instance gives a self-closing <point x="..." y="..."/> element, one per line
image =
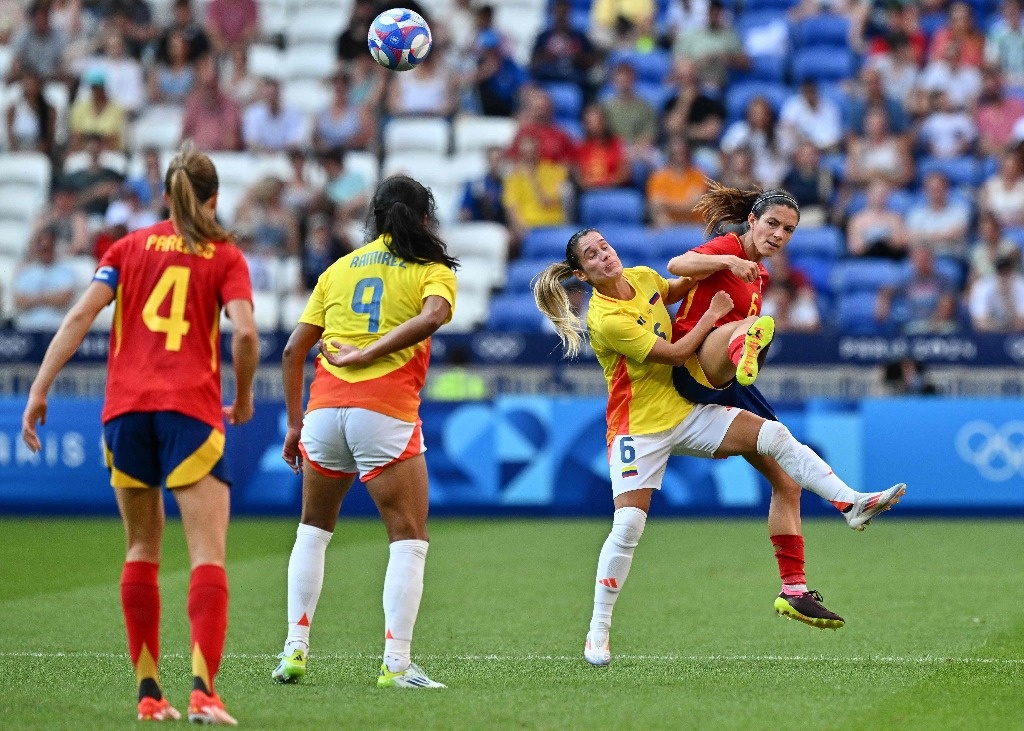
<point x="614" y="562"/>
<point x="403" y="588"/>
<point x="802" y="464"/>
<point x="305" y="580"/>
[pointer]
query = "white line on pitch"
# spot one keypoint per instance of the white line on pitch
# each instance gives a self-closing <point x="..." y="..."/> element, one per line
<point x="893" y="660"/>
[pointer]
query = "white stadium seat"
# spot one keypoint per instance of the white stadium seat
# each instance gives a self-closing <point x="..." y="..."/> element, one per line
<point x="426" y="135"/>
<point x="14" y="238"/>
<point x="273" y="17"/>
<point x="29" y="168"/>
<point x="292" y="306"/>
<point x="287" y="274"/>
<point x="104" y="320"/>
<point x="479" y="133"/>
<point x="158" y="127"/>
<point x="471" y="309"/>
<point x="475" y="274"/>
<point x="307" y="95"/>
<point x="315" y="24"/>
<point x="84" y="267"/>
<point x="266" y="313"/>
<point x="110" y="159"/>
<point x="447" y="198"/>
<point x="20" y="202"/>
<point x="265" y="61"/>
<point x="365" y="163"/>
<point x="8" y="267"/>
<point x="234" y="168"/>
<point x="431" y="169"/>
<point x="308" y="61"/>
<point x="480" y="240"/>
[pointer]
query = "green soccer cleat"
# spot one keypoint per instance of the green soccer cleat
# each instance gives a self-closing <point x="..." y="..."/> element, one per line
<point x="755" y="343"/>
<point x="412" y="677"/>
<point x="807" y="608"/>
<point x="291" y="668"/>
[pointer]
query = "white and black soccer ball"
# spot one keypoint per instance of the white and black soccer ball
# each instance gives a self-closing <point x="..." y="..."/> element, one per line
<point x="399" y="39"/>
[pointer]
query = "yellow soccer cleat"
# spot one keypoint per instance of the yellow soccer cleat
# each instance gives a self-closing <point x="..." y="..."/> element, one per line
<point x="756" y="341"/>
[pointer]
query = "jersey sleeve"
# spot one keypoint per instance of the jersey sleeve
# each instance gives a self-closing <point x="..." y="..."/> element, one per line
<point x="236" y="284"/>
<point x="719" y="245"/>
<point x="440" y="280"/>
<point x="313" y="314"/>
<point x="621" y="332"/>
<point x="108" y="271"/>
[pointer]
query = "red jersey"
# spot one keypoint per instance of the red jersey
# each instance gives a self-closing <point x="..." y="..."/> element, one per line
<point x="746" y="296"/>
<point x="165" y="341"/>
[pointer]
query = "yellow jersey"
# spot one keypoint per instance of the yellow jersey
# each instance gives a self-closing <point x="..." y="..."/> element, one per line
<point x="359" y="299"/>
<point x="641" y="397"/>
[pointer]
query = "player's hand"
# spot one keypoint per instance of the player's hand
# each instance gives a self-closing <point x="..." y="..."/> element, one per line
<point x="290" y="453"/>
<point x="346" y="355"/>
<point x="240" y="411"/>
<point x="721" y="304"/>
<point x="35" y="412"/>
<point x="745" y="269"/>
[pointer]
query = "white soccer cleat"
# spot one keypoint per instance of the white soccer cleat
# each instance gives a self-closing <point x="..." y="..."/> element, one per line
<point x="412" y="677"/>
<point x="597" y="651"/>
<point x="870" y="504"/>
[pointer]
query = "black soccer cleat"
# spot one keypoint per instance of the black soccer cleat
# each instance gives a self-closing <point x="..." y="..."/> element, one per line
<point x="807" y="608"/>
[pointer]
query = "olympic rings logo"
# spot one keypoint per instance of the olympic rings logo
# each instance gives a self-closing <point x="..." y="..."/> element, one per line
<point x="997" y="454"/>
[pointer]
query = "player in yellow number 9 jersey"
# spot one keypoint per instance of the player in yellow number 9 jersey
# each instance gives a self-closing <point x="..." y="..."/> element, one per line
<point x="372" y="313"/>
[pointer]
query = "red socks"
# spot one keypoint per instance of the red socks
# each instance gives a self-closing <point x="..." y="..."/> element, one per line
<point x="789" y="552"/>
<point x="736" y="348"/>
<point x="208" y="613"/>
<point x="140" y="602"/>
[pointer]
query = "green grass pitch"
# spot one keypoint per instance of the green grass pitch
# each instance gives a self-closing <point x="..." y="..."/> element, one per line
<point x="934" y="636"/>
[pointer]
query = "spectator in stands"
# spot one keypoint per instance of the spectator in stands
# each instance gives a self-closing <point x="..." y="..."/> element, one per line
<point x="342" y="123"/>
<point x="962" y="33"/>
<point x="497" y="77"/>
<point x="68" y="18"/>
<point x="482" y="199"/>
<point x="66" y="220"/>
<point x="127" y="209"/>
<point x="43" y="287"/>
<point x="869" y="94"/>
<point x="600" y="160"/>
<point x="809" y="115"/>
<point x="149" y="185"/>
<point x="263" y="213"/>
<point x="947" y="131"/>
<point x="811" y="183"/>
<point x="1002" y="195"/>
<point x="346" y="189"/>
<point x="270" y="126"/>
<point x="172" y="79"/>
<point x="927" y="298"/>
<point x="790" y="298"/>
<point x="431" y="91"/>
<point x="535" y="191"/>
<point x="939" y="224"/>
<point x="133" y="20"/>
<point x="485" y="31"/>
<point x="634" y="120"/>
<point x="674" y="189"/>
<point x="233" y="24"/>
<point x="996" y="301"/>
<point x="211" y="119"/>
<point x="95" y="184"/>
<point x="908" y="377"/>
<point x="31" y="120"/>
<point x="562" y="53"/>
<point x="900" y="27"/>
<point x="262" y="264"/>
<point x="898" y="69"/>
<point x="738" y="170"/>
<point x="1004" y="44"/>
<point x="366" y="82"/>
<point x="536" y="122"/>
<point x="715" y="49"/>
<point x="876" y="231"/>
<point x="607" y="17"/>
<point x="183" y="23"/>
<point x="695" y="111"/>
<point x="996" y="114"/>
<point x="949" y="74"/>
<point x="878" y="154"/>
<point x="243" y="86"/>
<point x="990" y="247"/>
<point x="96" y="115"/>
<point x="351" y="43"/>
<point x="125" y="84"/>
<point x="320" y="249"/>
<point x="298" y="193"/>
<point x="683" y="16"/>
<point x="12" y="17"/>
<point x="758" y="133"/>
<point x="37" y="47"/>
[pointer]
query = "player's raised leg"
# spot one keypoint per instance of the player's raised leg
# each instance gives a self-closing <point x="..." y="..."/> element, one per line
<point x="613" y="566"/>
<point x="143" y="514"/>
<point x="400" y="493"/>
<point x="322" y="494"/>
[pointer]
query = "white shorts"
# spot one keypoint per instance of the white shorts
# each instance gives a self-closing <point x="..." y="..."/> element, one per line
<point x="638" y="461"/>
<point x="339" y="442"/>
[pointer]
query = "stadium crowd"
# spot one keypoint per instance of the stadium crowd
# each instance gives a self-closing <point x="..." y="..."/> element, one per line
<point x="898" y="125"/>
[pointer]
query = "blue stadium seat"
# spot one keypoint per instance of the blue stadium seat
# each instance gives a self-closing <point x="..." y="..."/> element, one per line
<point x="864" y="275"/>
<point x="567" y="99"/>
<point x="515" y="313"/>
<point x="931" y="22"/>
<point x="825" y="242"/>
<point x="650" y="67"/>
<point x="572" y="126"/>
<point x="818" y="270"/>
<point x="547" y="243"/>
<point x="754" y="18"/>
<point x="855" y="314"/>
<point x="762" y="68"/>
<point x="618" y="205"/>
<point x="630" y="240"/>
<point x="1015" y="234"/>
<point x="739" y="96"/>
<point x="823" y="63"/>
<point x="777" y="6"/>
<point x="522" y="271"/>
<point x="669" y="242"/>
<point x="900" y="201"/>
<point x="967" y="170"/>
<point x="827" y="29"/>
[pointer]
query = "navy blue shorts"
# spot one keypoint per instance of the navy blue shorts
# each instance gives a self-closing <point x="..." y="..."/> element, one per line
<point x="154" y="448"/>
<point x="692" y="385"/>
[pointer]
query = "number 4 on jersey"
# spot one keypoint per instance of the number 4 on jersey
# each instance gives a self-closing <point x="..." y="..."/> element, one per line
<point x="174" y="281"/>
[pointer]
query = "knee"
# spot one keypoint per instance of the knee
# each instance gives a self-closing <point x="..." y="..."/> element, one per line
<point x="628" y="526"/>
<point x="407" y="531"/>
<point x="772" y="438"/>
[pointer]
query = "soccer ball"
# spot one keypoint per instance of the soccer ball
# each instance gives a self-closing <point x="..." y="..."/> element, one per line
<point x="399" y="39"/>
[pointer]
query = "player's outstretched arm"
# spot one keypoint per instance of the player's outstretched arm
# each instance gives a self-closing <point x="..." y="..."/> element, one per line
<point x="697" y="265"/>
<point x="293" y="364"/>
<point x="245" y="354"/>
<point x="64" y="344"/>
<point x="677" y="353"/>
<point x="434" y="314"/>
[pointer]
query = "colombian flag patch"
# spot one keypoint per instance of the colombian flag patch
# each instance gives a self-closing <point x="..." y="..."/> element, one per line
<point x="630" y="472"/>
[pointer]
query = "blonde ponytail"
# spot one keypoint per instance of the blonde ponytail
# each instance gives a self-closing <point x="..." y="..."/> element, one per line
<point x="553" y="301"/>
<point x="190" y="182"/>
